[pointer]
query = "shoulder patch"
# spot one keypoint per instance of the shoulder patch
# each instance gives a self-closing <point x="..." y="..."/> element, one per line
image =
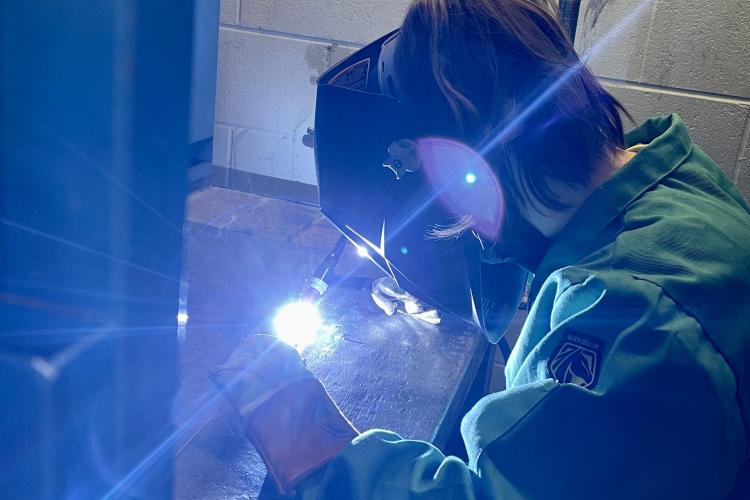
<point x="576" y="360"/>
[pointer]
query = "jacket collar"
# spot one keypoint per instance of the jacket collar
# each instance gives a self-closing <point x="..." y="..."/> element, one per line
<point x="668" y="144"/>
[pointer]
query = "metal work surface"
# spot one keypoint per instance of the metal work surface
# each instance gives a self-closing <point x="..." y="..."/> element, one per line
<point x="245" y="256"/>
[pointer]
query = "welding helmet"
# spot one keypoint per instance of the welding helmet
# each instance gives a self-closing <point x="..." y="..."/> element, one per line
<point x="389" y="188"/>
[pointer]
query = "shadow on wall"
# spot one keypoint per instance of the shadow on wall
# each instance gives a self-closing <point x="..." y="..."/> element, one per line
<point x="593" y="9"/>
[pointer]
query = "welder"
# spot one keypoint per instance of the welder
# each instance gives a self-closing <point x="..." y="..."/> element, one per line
<point x="630" y="378"/>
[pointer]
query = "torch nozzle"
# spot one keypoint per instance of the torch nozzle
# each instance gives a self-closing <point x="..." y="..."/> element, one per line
<point x="317" y="285"/>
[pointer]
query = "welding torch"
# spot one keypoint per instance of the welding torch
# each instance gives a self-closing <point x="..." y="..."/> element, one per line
<point x="324" y="277"/>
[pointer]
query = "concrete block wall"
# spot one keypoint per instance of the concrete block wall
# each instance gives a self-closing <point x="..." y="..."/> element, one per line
<point x="685" y="56"/>
<point x="270" y="54"/>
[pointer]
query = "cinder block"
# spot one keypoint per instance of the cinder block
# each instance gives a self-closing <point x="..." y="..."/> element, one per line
<point x="700" y="45"/>
<point x="230" y="11"/>
<point x="612" y="35"/>
<point x="222" y="145"/>
<point x="716" y="125"/>
<point x="266" y="153"/>
<point x="743" y="182"/>
<point x="357" y="21"/>
<point x="303" y="163"/>
<point x="685" y="44"/>
<point x="267" y="82"/>
<point x="304" y="160"/>
<point x="742" y="176"/>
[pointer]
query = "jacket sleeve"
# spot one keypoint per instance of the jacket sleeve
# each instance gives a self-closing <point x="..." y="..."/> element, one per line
<point x="613" y="392"/>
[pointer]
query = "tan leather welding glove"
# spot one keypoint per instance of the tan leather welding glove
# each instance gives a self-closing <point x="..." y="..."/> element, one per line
<point x="286" y="412"/>
<point x="391" y="298"/>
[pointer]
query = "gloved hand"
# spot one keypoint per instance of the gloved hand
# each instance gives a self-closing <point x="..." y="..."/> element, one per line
<point x="391" y="298"/>
<point x="286" y="412"/>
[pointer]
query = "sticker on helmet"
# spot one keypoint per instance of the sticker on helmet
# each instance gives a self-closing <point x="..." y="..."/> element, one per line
<point x="576" y="360"/>
<point x="354" y="77"/>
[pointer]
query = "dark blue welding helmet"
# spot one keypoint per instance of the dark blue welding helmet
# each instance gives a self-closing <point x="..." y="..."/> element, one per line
<point x="393" y="189"/>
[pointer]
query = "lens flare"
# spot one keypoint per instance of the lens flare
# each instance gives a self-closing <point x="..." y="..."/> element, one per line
<point x="297" y="324"/>
<point x="362" y="251"/>
<point x="464" y="183"/>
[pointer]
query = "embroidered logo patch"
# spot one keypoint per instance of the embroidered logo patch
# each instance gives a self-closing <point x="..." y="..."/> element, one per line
<point x="576" y="360"/>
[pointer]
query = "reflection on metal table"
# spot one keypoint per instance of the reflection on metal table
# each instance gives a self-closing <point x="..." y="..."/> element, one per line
<point x="247" y="255"/>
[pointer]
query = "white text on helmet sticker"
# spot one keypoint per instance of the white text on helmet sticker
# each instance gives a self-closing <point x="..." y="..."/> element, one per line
<point x="354" y="77"/>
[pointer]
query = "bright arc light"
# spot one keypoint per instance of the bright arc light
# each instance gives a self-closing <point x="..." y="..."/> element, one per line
<point x="297" y="324"/>
<point x="362" y="251"/>
<point x="471" y="178"/>
<point x="182" y="318"/>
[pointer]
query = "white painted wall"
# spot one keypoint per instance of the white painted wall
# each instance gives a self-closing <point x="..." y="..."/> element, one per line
<point x="657" y="56"/>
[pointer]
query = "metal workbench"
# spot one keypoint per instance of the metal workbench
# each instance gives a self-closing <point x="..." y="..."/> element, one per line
<point x="246" y="255"/>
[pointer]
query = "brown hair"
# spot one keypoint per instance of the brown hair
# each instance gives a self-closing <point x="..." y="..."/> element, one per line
<point x="503" y="76"/>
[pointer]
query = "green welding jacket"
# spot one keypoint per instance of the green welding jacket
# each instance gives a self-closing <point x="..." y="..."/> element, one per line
<point x="631" y="376"/>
